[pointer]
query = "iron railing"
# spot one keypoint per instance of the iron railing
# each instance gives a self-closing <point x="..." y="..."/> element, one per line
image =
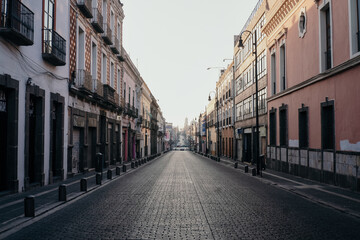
<point x="85" y="7"/>
<point x="84" y="80"/>
<point x="17" y="22"/>
<point x="106" y="35"/>
<point x="97" y="21"/>
<point x="115" y="44"/>
<point x="54" y="47"/>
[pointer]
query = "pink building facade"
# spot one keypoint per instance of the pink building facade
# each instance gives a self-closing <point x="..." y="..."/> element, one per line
<point x="313" y="89"/>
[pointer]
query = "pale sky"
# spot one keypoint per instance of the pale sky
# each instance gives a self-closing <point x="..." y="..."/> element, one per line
<point x="173" y="42"/>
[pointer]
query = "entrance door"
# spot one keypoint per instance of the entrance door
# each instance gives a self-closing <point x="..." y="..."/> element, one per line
<point x="247" y="147"/>
<point x="117" y="142"/>
<point x="76" y="150"/>
<point x="3" y="140"/>
<point x="111" y="145"/>
<point x="91" y="154"/>
<point x="32" y="138"/>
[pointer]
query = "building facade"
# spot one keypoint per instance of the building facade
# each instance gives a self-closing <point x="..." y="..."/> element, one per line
<point x="95" y="70"/>
<point x="245" y="90"/>
<point x="131" y="85"/>
<point x="146" y="116"/>
<point x="211" y="133"/>
<point x="313" y="92"/>
<point x="225" y="110"/>
<point x="34" y="94"/>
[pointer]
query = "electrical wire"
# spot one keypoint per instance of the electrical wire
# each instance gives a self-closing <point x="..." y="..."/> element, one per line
<point x="29" y="65"/>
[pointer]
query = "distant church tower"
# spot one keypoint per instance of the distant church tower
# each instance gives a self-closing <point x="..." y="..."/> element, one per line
<point x="186" y="125"/>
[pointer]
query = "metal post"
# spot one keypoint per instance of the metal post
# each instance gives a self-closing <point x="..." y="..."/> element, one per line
<point x="233" y="118"/>
<point x="29" y="206"/>
<point x="257" y="134"/>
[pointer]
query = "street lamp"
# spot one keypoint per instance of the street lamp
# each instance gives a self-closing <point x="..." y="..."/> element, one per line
<point x="241" y="45"/>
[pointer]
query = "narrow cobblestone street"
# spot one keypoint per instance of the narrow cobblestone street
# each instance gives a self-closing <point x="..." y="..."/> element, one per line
<point x="185" y="196"/>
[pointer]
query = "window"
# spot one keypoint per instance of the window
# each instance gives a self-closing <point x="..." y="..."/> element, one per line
<point x="302" y="23"/>
<point x="354" y="26"/>
<point x="272" y="127"/>
<point x="239" y="84"/>
<point x="119" y="33"/>
<point x="94" y="60"/>
<point x="104" y="10"/>
<point x="283" y="120"/>
<point x="282" y="68"/>
<point x="49" y="13"/>
<point x="259" y="34"/>
<point x="112" y="73"/>
<point x="248" y="107"/>
<point x="129" y="95"/>
<point x="273" y="73"/>
<point x="124" y="90"/>
<point x="81" y="49"/>
<point x="118" y="81"/>
<point x="104" y="69"/>
<point x="261" y="65"/>
<point x="112" y="20"/>
<point x="262" y="101"/>
<point x="133" y="98"/>
<point x="327" y="125"/>
<point x="303" y="127"/>
<point x="325" y="37"/>
<point x="239" y="111"/>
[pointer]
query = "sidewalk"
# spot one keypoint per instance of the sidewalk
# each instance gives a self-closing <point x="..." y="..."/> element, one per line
<point x="341" y="199"/>
<point x="47" y="197"/>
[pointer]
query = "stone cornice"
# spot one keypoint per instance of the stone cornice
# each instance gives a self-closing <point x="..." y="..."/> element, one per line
<point x="277" y="14"/>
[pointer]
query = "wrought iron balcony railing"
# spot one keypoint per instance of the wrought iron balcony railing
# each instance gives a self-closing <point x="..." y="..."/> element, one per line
<point x="97" y="21"/>
<point x="17" y="23"/>
<point x="94" y="85"/>
<point x="109" y="93"/>
<point x="106" y="35"/>
<point x="54" y="48"/>
<point x="115" y="46"/>
<point x="84" y="80"/>
<point x="85" y="7"/>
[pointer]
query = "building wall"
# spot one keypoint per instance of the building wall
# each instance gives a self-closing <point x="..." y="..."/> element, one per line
<point x="311" y="86"/>
<point x="38" y="80"/>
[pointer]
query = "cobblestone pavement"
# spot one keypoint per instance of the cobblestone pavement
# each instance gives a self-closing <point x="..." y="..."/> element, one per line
<point x="185" y="196"/>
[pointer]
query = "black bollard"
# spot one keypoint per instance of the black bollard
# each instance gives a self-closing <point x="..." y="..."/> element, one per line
<point x="246" y="169"/>
<point x="132" y="165"/>
<point x="253" y="171"/>
<point x="29" y="206"/>
<point x="109" y="174"/>
<point x="98" y="179"/>
<point x="124" y="168"/>
<point x="236" y="165"/>
<point x="83" y="185"/>
<point x="62" y="193"/>
<point x="118" y="170"/>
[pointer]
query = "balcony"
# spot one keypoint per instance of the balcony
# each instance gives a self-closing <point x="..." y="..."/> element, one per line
<point x="94" y="85"/>
<point x="109" y="93"/>
<point x="121" y="56"/>
<point x="106" y="35"/>
<point x="84" y="80"/>
<point x="54" y="48"/>
<point x="85" y="7"/>
<point x="97" y="21"/>
<point x="17" y="23"/>
<point x="115" y="46"/>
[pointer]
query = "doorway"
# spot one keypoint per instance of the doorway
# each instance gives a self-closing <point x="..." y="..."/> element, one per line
<point x="247" y="147"/>
<point x="3" y="139"/>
